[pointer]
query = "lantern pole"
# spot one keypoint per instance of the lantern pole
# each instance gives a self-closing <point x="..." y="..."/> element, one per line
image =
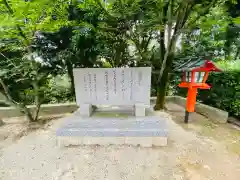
<point x="191" y="101"/>
<point x="186" y="117"/>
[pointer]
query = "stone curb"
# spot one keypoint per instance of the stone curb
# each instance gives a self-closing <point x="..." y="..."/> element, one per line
<point x="46" y="109"/>
<point x="212" y="113"/>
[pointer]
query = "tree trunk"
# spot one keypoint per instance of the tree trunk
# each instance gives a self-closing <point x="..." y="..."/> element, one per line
<point x="161" y="92"/>
<point x="163" y="84"/>
<point x="28" y="114"/>
<point x="162" y="46"/>
<point x="70" y="75"/>
<point x="38" y="106"/>
<point x="37" y="101"/>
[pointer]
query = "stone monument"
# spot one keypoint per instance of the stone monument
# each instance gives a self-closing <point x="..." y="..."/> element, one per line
<point x="113" y="86"/>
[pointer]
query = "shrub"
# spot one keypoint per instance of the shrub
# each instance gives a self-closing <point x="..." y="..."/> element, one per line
<point x="224" y="93"/>
<point x="59" y="90"/>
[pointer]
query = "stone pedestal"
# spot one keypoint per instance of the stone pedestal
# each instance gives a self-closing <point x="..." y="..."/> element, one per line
<point x="85" y="110"/>
<point x="140" y="110"/>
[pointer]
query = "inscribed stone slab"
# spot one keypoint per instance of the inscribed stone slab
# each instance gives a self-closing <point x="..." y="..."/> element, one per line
<point x="112" y="86"/>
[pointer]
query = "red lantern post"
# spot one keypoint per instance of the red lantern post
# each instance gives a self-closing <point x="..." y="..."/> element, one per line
<point x="194" y="77"/>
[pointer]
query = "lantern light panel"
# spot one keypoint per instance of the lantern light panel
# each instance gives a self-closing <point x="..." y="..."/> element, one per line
<point x="198" y="76"/>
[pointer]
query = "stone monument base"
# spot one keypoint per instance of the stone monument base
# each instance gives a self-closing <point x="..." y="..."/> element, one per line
<point x="145" y="131"/>
<point x="65" y="141"/>
<point x="87" y="109"/>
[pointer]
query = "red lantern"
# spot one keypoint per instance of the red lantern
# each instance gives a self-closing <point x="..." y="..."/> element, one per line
<point x="195" y="74"/>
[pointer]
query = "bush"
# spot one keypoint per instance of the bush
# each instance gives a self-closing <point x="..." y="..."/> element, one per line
<point x="59" y="90"/>
<point x="224" y="93"/>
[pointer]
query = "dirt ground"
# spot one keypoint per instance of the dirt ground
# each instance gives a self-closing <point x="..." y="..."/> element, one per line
<point x="226" y="134"/>
<point x="200" y="150"/>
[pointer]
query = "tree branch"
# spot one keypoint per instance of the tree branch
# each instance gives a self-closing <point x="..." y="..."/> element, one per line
<point x="165" y="10"/>
<point x="7" y="6"/>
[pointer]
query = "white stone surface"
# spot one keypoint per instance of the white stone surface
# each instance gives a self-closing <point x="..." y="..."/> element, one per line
<point x="86" y="110"/>
<point x="140" y="110"/>
<point x="159" y="141"/>
<point x="112" y="86"/>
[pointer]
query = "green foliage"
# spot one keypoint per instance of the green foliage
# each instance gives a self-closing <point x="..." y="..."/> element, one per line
<point x="59" y="90"/>
<point x="21" y="75"/>
<point x="112" y="31"/>
<point x="208" y="40"/>
<point x="229" y="65"/>
<point x="33" y="16"/>
<point x="95" y="33"/>
<point x="224" y="92"/>
<point x="23" y="79"/>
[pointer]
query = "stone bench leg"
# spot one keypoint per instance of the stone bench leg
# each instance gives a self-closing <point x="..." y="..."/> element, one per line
<point x="140" y="110"/>
<point x="85" y="110"/>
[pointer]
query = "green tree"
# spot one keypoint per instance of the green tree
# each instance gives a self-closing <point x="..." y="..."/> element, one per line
<point x="21" y="22"/>
<point x="232" y="43"/>
<point x="176" y="18"/>
<point x="74" y="45"/>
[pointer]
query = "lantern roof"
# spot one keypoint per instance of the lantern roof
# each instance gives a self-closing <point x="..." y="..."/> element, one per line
<point x="197" y="65"/>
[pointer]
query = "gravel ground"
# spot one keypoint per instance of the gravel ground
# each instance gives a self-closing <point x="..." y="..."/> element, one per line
<point x="188" y="156"/>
